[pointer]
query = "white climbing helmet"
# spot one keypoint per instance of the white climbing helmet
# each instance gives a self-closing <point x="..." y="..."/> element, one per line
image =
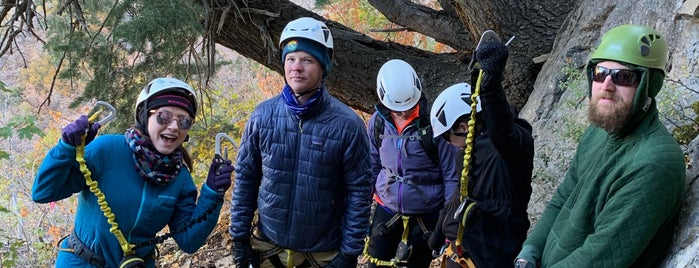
<point x="452" y="103"/>
<point x="159" y="86"/>
<point x="308" y="28"/>
<point x="398" y="86"/>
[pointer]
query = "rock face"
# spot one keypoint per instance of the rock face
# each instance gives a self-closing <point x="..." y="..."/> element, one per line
<point x="557" y="106"/>
<point x="684" y="251"/>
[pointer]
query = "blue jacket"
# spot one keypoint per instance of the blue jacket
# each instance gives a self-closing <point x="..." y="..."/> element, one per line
<point x="142" y="209"/>
<point x="308" y="177"/>
<point x="407" y="180"/>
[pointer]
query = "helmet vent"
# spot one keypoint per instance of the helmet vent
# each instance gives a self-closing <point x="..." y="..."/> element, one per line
<point x="326" y="32"/>
<point x="417" y="82"/>
<point x="466" y="98"/>
<point x="440" y="115"/>
<point x="647" y="42"/>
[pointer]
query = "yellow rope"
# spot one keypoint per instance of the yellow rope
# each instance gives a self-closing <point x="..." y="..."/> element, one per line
<point x="393" y="262"/>
<point x="467" y="156"/>
<point x="101" y="200"/>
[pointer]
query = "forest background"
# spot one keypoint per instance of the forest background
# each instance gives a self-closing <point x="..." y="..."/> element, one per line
<point x="35" y="106"/>
<point x="36" y="102"/>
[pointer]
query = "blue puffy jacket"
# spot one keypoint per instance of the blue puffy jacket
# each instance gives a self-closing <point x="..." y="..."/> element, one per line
<point x="308" y="177"/>
<point x="142" y="209"/>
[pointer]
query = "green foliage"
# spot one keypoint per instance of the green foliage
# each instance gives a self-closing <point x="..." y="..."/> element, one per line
<point x="24" y="126"/>
<point x="9" y="251"/>
<point x="9" y="246"/>
<point x="321" y="3"/>
<point x="228" y="115"/>
<point x="684" y="134"/>
<point x="681" y="117"/>
<point x="574" y="84"/>
<point x="125" y="45"/>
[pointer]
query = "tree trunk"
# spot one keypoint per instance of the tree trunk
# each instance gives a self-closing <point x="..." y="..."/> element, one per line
<point x="252" y="28"/>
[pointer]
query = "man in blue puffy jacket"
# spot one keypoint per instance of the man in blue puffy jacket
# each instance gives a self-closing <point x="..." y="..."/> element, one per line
<point x="303" y="165"/>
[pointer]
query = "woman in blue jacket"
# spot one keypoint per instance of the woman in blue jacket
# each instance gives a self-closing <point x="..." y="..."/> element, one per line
<point x="145" y="178"/>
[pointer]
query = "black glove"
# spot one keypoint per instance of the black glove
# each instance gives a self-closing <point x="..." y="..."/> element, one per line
<point x="73" y="132"/>
<point x="492" y="56"/>
<point x="219" y="178"/>
<point x="343" y="261"/>
<point x="243" y="254"/>
<point x="437" y="238"/>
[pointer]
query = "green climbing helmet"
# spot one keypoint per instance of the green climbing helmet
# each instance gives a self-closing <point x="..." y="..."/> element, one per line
<point x="634" y="44"/>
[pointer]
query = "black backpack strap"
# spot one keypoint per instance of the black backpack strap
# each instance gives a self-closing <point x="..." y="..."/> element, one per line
<point x="378" y="130"/>
<point x="429" y="143"/>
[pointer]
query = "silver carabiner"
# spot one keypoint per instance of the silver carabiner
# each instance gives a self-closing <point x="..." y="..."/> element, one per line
<point x="110" y="117"/>
<point x="219" y="136"/>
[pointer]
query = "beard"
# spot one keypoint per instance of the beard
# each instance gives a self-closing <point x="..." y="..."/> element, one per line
<point x="609" y="121"/>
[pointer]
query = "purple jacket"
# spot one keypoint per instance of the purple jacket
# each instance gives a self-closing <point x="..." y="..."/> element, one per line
<point x="407" y="180"/>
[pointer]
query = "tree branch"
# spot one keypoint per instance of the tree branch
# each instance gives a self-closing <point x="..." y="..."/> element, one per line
<point x="440" y="25"/>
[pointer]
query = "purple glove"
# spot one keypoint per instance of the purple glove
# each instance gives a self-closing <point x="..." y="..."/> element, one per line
<point x="73" y="132"/>
<point x="219" y="178"/>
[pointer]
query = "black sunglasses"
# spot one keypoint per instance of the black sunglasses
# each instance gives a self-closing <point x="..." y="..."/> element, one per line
<point x="620" y="77"/>
<point x="165" y="118"/>
<point x="447" y="135"/>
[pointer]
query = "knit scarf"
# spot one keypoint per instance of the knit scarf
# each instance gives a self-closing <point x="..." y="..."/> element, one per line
<point x="300" y="109"/>
<point x="151" y="165"/>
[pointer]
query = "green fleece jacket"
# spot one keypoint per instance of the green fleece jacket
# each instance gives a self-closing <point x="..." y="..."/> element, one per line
<point x="618" y="204"/>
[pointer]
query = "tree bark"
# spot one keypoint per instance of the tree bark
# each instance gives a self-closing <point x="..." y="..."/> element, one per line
<point x="252" y="28"/>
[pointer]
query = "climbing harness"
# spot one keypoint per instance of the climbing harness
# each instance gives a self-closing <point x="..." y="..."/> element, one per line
<point x="280" y="257"/>
<point x="456" y="255"/>
<point x="404" y="249"/>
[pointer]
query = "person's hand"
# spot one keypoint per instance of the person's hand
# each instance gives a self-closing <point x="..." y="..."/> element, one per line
<point x="492" y="57"/>
<point x="72" y="133"/>
<point x="219" y="178"/>
<point x="343" y="261"/>
<point x="243" y="254"/>
<point x="437" y="239"/>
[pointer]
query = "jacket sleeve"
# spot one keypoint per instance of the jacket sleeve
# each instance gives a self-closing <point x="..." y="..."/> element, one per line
<point x="59" y="175"/>
<point x="448" y="166"/>
<point x="373" y="148"/>
<point x="248" y="176"/>
<point x="199" y="218"/>
<point x="631" y="216"/>
<point x="512" y="140"/>
<point x="358" y="184"/>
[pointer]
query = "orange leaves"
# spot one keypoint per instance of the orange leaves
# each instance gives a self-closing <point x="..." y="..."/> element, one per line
<point x="23" y="212"/>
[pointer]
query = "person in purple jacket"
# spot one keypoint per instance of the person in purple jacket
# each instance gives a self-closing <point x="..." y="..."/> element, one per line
<point x="415" y="173"/>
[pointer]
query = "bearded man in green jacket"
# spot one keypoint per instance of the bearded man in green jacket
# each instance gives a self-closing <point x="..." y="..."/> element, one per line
<point x="621" y="197"/>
